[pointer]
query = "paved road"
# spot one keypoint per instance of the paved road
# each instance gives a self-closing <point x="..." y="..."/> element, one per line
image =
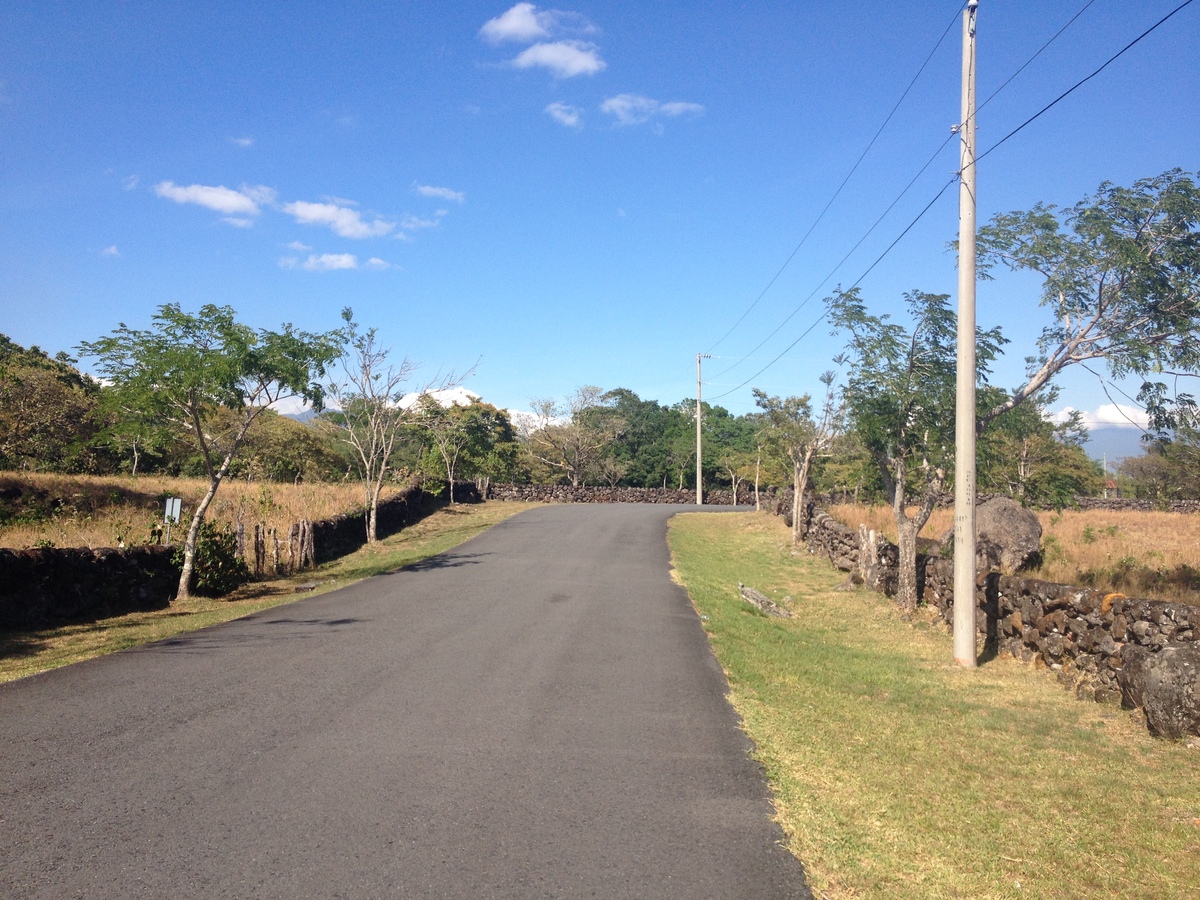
<point x="534" y="714"/>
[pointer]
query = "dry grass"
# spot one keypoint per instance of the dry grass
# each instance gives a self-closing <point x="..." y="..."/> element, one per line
<point x="898" y="775"/>
<point x="27" y="652"/>
<point x="111" y="511"/>
<point x="1143" y="554"/>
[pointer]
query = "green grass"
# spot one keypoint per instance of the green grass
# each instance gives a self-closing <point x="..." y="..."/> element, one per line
<point x="27" y="652"/>
<point x="898" y="775"/>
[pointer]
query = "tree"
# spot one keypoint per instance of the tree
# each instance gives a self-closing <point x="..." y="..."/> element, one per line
<point x="899" y="396"/>
<point x="186" y="367"/>
<point x="369" y="418"/>
<point x="1032" y="460"/>
<point x="570" y="437"/>
<point x="1121" y="274"/>
<point x="793" y="432"/>
<point x="1168" y="470"/>
<point x="475" y="439"/>
<point x="48" y="411"/>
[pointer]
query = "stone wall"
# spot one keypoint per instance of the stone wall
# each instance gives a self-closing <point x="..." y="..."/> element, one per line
<point x="565" y="493"/>
<point x="1088" y="637"/>
<point x="45" y="587"/>
<point x="346" y="533"/>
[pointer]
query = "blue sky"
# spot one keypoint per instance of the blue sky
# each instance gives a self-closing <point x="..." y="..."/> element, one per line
<point x="589" y="193"/>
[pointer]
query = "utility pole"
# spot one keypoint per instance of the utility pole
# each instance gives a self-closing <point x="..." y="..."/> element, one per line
<point x="964" y="420"/>
<point x="699" y="420"/>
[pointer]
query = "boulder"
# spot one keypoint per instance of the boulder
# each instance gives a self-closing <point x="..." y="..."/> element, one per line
<point x="1013" y="529"/>
<point x="1171" y="699"/>
<point x="1132" y="675"/>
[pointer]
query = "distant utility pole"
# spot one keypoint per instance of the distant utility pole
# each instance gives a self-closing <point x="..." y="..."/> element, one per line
<point x="699" y="420"/>
<point x="964" y="422"/>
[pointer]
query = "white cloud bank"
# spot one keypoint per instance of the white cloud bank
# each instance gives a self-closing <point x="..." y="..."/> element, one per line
<point x="244" y="202"/>
<point x="332" y="262"/>
<point x="441" y="193"/>
<point x="565" y="114"/>
<point x="1108" y="415"/>
<point x="564" y="59"/>
<point x="634" y="109"/>
<point x="521" y="23"/>
<point x="553" y="34"/>
<point x="342" y="220"/>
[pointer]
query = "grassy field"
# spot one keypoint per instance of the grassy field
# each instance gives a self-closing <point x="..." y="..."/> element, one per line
<point x="24" y="653"/>
<point x="109" y="511"/>
<point x="1142" y="554"/>
<point x="897" y="775"/>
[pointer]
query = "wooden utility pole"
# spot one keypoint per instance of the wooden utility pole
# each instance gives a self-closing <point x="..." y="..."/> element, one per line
<point x="964" y="420"/>
<point x="699" y="420"/>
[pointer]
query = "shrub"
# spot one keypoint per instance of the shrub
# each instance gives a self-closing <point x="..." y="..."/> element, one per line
<point x="218" y="568"/>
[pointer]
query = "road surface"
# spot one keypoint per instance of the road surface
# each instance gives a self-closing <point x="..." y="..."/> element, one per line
<point x="534" y="714"/>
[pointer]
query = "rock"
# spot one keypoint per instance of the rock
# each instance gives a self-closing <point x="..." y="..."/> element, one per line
<point x="1171" y="697"/>
<point x="763" y="602"/>
<point x="1014" y="529"/>
<point x="1132" y="676"/>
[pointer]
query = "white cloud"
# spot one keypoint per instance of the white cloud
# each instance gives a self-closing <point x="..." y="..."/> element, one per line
<point x="377" y="264"/>
<point x="1107" y="415"/>
<point x="218" y="198"/>
<point x="110" y="251"/>
<point x="413" y="223"/>
<point x="525" y="23"/>
<point x="328" y="262"/>
<point x="427" y="190"/>
<point x="238" y="222"/>
<point x="455" y="396"/>
<point x="681" y="108"/>
<point x="634" y="109"/>
<point x="565" y="59"/>
<point x="242" y="141"/>
<point x="342" y="220"/>
<point x="129" y="182"/>
<point x="298" y="246"/>
<point x="521" y="23"/>
<point x="565" y="114"/>
<point x="260" y="194"/>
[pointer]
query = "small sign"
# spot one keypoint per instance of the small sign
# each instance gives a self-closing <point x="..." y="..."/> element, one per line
<point x="171" y="514"/>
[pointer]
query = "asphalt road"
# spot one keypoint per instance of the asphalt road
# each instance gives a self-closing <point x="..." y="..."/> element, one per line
<point x="534" y="714"/>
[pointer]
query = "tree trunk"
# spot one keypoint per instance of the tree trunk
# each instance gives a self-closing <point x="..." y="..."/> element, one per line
<point x="757" y="466"/>
<point x="189" y="545"/>
<point x="906" y="587"/>
<point x="372" y="513"/>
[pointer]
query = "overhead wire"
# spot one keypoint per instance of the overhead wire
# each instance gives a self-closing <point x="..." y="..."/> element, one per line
<point x="980" y="156"/>
<point x="841" y="186"/>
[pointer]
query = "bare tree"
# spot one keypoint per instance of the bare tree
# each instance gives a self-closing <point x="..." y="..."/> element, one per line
<point x="572" y="436"/>
<point x="371" y="418"/>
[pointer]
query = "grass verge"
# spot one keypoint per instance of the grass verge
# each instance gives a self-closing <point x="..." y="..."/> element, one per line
<point x="898" y="775"/>
<point x="27" y="652"/>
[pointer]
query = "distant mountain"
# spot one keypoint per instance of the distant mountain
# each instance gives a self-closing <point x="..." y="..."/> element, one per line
<point x="1115" y="441"/>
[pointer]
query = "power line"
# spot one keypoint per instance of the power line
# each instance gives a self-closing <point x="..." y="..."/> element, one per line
<point x="845" y="180"/>
<point x="857" y="281"/>
<point x="1086" y="79"/>
<point x="901" y="195"/>
<point x="920" y="215"/>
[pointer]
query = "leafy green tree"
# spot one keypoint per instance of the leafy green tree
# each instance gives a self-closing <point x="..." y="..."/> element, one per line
<point x="792" y="430"/>
<point x="1167" y="470"/>
<point x="187" y="366"/>
<point x="572" y="436"/>
<point x="899" y="397"/>
<point x="1032" y="460"/>
<point x="48" y="412"/>
<point x="475" y="440"/>
<point x="1121" y="279"/>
